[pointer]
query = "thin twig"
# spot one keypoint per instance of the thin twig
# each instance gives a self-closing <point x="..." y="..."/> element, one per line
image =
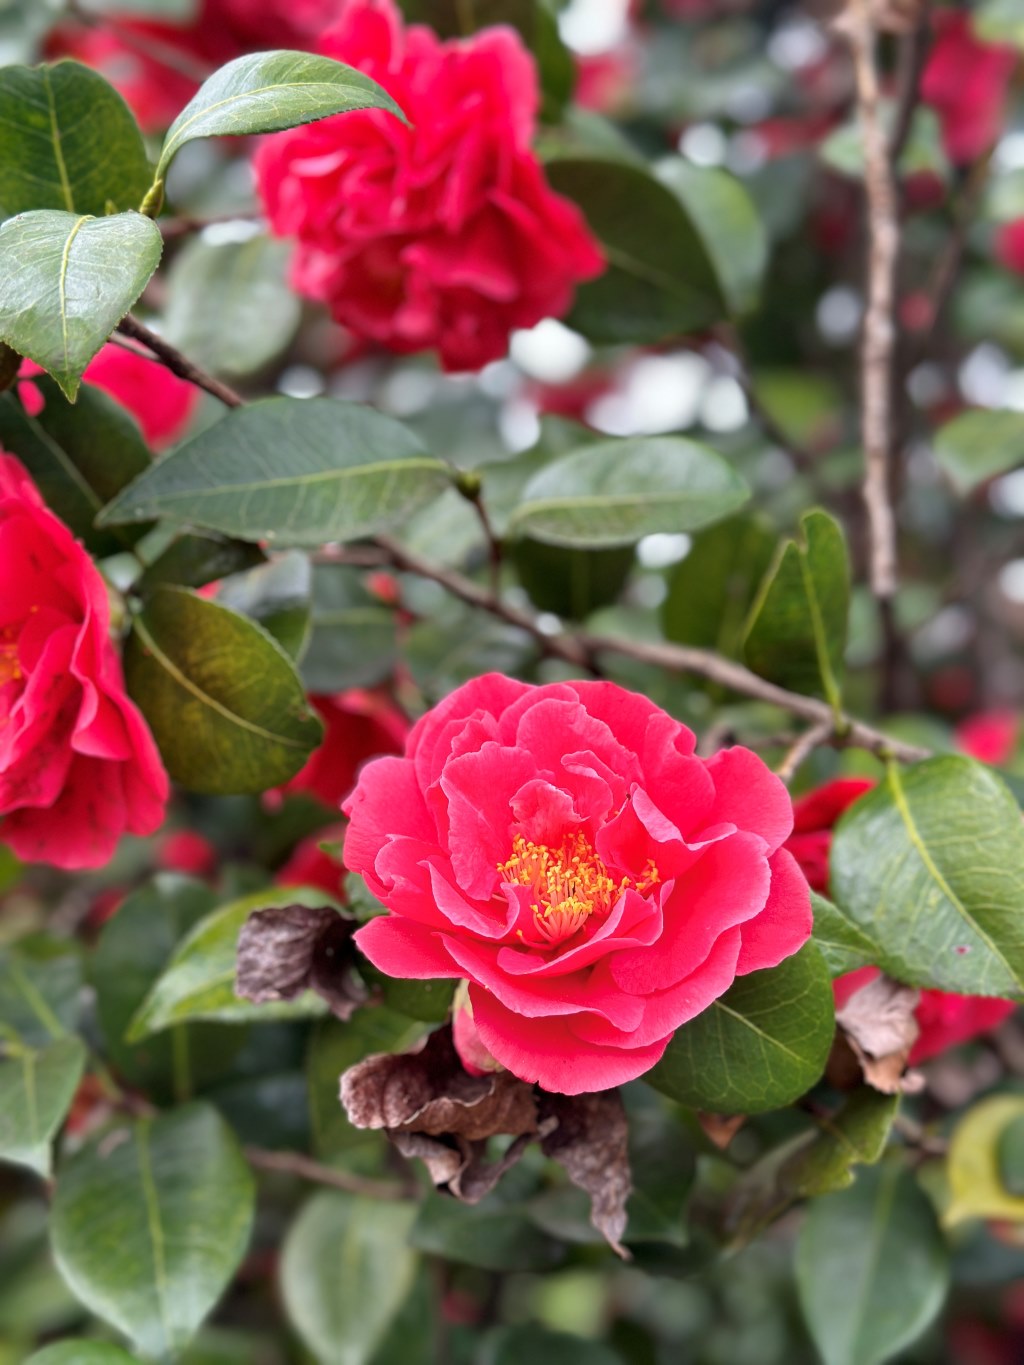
<point x="470" y="486"/>
<point x="294" y="1163"/>
<point x="806" y="744"/>
<point x="916" y="1136"/>
<point x="170" y="357"/>
<point x="879" y="336"/>
<point x="947" y="267"/>
<point x="911" y="61"/>
<point x="730" y="339"/>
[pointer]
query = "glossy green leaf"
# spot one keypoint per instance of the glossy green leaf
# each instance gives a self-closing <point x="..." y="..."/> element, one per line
<point x="295" y="472"/>
<point x="354" y="634"/>
<point x="930" y="866"/>
<point x="230" y="307"/>
<point x="268" y="91"/>
<point x="542" y="1346"/>
<point x="660" y="281"/>
<point x="569" y="582"/>
<point x="615" y="492"/>
<point x="81" y="1353"/>
<point x="843" y="945"/>
<point x="40" y="985"/>
<point x="710" y="592"/>
<point x="66" y="281"/>
<point x="872" y="1268"/>
<point x="977" y="1175"/>
<point x="223" y="699"/>
<point x="36" y="1089"/>
<point x="729" y="226"/>
<point x="148" y="1230"/>
<point x="67" y="141"/>
<point x="796" y="634"/>
<point x="199" y="980"/>
<point x="811" y="1164"/>
<point x="79" y="457"/>
<point x="977" y="446"/>
<point x="489" y="1235"/>
<point x="346" y="1270"/>
<point x="194" y="560"/>
<point x="759" y="1047"/>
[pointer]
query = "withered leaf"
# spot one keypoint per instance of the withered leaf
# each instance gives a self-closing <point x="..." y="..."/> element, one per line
<point x="879" y="1025"/>
<point x="286" y="950"/>
<point x="591" y="1140"/>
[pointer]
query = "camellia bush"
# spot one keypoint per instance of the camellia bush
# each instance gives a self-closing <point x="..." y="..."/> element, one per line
<point x="511" y="670"/>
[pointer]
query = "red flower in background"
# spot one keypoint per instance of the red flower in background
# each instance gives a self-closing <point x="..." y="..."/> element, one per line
<point x="358" y="725"/>
<point x="564" y="850"/>
<point x="440" y="234"/>
<point x="944" y="1019"/>
<point x="78" y="766"/>
<point x="161" y="403"/>
<point x="158" y="66"/>
<point x="309" y="865"/>
<point x="966" y="82"/>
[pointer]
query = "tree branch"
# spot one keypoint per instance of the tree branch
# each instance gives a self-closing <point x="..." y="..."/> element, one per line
<point x="802" y="749"/>
<point x="295" y="1163"/>
<point x="879" y="335"/>
<point x="172" y="359"/>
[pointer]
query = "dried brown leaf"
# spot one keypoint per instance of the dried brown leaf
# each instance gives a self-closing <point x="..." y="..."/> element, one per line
<point x="879" y="1025"/>
<point x="286" y="950"/>
<point x="591" y="1140"/>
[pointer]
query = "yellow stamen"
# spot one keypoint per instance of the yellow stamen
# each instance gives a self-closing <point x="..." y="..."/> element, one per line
<point x="571" y="883"/>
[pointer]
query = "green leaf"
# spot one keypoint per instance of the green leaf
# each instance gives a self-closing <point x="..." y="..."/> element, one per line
<point x="36" y="1090"/>
<point x="811" y="1164"/>
<point x="489" y="1235"/>
<point x="729" y="226"/>
<point x="230" y="307"/>
<point x="268" y="91"/>
<point x="977" y="1176"/>
<point x="149" y="1229"/>
<point x="930" y="866"/>
<point x="977" y="446"/>
<point x="79" y="456"/>
<point x="1011" y="1156"/>
<point x="571" y="583"/>
<point x="841" y="943"/>
<point x="428" y="1000"/>
<point x="199" y="980"/>
<point x="292" y="471"/>
<point x="194" y="560"/>
<point x="276" y="595"/>
<point x="40" y="984"/>
<point x="872" y="1268"/>
<point x="759" y="1047"/>
<point x="354" y="635"/>
<point x="796" y="635"/>
<point x="223" y="699"/>
<point x="81" y="1353"/>
<point x="660" y="281"/>
<point x="173" y="11"/>
<point x="67" y="141"/>
<point x="541" y="1346"/>
<point x="346" y="1270"/>
<point x="615" y="492"/>
<point x="67" y="281"/>
<point x="710" y="592"/>
<point x="999" y="21"/>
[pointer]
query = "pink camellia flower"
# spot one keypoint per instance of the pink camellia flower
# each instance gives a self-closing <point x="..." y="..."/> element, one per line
<point x="966" y="82"/>
<point x="187" y="852"/>
<point x="78" y="766"/>
<point x="358" y="725"/>
<point x="161" y="403"/>
<point x="440" y="234"/>
<point x="564" y="850"/>
<point x="944" y="1019"/>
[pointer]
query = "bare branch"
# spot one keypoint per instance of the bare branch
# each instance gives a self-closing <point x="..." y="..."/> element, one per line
<point x="295" y="1163"/>
<point x="806" y="744"/>
<point x="172" y="359"/>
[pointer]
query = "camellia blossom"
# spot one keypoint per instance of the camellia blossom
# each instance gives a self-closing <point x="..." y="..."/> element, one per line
<point x="161" y="403"/>
<point x="966" y="82"/>
<point x="440" y="233"/>
<point x="358" y="725"/>
<point x="944" y="1019"/>
<point x="78" y="765"/>
<point x="565" y="851"/>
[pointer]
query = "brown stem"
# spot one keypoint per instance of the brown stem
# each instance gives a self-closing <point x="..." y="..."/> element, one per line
<point x="912" y="54"/>
<point x="170" y="357"/>
<point x="879" y="335"/>
<point x="294" y="1163"/>
<point x="806" y="744"/>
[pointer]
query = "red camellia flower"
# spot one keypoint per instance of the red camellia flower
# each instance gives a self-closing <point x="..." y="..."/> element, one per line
<point x="966" y="82"/>
<point x="309" y="865"/>
<point x="564" y="850"/>
<point x="358" y="725"/>
<point x="161" y="403"/>
<point x="943" y="1018"/>
<point x="440" y="234"/>
<point x="78" y="766"/>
